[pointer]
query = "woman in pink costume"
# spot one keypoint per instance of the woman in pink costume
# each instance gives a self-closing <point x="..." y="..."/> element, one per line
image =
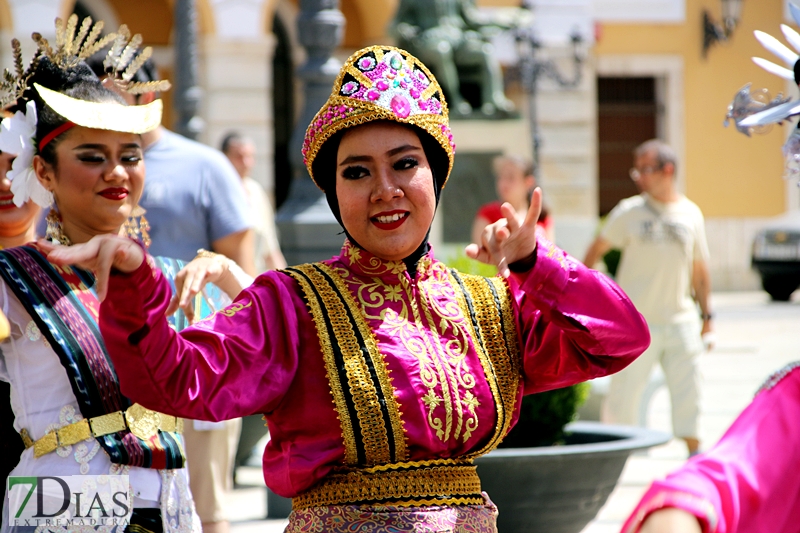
<point x="381" y="372"/>
<point x="747" y="483"/>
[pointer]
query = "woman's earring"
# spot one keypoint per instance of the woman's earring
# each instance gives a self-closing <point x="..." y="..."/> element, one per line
<point x="137" y="227"/>
<point x="55" y="230"/>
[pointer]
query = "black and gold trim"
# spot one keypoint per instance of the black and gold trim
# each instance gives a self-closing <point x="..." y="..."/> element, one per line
<point x="368" y="410"/>
<point x="444" y="482"/>
<point x="488" y="305"/>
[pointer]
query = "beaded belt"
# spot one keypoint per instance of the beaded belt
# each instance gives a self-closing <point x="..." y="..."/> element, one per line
<point x="142" y="422"/>
<point x="400" y="484"/>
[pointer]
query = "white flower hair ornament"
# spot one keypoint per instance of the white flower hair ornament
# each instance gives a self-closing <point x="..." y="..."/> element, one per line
<point x="18" y="137"/>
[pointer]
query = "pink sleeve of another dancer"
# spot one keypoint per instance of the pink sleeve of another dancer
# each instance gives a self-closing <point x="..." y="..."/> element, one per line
<point x="748" y="482"/>
<point x="575" y="323"/>
<point x="194" y="374"/>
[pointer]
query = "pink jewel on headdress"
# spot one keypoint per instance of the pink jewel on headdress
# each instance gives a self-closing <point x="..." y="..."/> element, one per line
<point x="372" y="94"/>
<point x="377" y="72"/>
<point x="381" y="85"/>
<point x="423" y="78"/>
<point x="400" y="106"/>
<point x="423" y="105"/>
<point x="414" y="92"/>
<point x="349" y="88"/>
<point x="366" y="63"/>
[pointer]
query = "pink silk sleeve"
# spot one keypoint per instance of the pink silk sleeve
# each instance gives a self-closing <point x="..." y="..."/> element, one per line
<point x="748" y="482"/>
<point x="575" y="323"/>
<point x="193" y="379"/>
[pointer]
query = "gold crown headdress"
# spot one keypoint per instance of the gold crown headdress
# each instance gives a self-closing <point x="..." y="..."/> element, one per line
<point x="70" y="50"/>
<point x="381" y="83"/>
<point x="123" y="62"/>
<point x="72" y="46"/>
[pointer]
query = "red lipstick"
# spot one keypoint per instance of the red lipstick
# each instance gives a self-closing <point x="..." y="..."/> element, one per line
<point x="389" y="220"/>
<point x="7" y="202"/>
<point x="114" y="193"/>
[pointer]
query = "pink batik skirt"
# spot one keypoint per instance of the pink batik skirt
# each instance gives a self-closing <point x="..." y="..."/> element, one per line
<point x="389" y="519"/>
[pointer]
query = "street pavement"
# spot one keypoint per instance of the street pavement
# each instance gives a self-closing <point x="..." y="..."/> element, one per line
<point x="754" y="338"/>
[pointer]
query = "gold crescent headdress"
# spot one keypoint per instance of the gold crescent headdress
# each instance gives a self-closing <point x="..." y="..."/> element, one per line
<point x="103" y="116"/>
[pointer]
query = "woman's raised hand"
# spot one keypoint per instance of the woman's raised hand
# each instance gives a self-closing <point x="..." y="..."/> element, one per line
<point x="508" y="240"/>
<point x="100" y="254"/>
<point x="206" y="268"/>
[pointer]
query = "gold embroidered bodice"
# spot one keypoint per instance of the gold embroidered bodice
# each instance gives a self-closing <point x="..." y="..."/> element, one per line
<point x="444" y="341"/>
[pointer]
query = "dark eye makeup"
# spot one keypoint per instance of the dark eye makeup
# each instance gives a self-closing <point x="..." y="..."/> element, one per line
<point x="91" y="157"/>
<point x="98" y="157"/>
<point x="405" y="163"/>
<point x="354" y="172"/>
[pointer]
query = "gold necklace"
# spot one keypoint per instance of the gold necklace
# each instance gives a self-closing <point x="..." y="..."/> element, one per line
<point x="136" y="228"/>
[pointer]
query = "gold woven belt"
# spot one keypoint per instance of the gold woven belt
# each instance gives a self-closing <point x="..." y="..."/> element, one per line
<point x="401" y="484"/>
<point x="142" y="422"/>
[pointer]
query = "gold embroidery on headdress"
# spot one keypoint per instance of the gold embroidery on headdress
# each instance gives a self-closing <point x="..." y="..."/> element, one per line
<point x="381" y="83"/>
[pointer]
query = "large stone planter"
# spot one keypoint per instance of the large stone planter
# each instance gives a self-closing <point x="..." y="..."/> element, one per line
<point x="559" y="489"/>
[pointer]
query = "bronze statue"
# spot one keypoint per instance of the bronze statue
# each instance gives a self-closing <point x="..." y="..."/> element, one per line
<point x="450" y="37"/>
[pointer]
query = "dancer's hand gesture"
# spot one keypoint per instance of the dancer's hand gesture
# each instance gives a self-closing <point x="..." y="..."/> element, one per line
<point x="508" y="240"/>
<point x="100" y="254"/>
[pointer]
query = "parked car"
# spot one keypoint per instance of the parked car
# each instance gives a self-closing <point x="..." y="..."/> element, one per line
<point x="776" y="256"/>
